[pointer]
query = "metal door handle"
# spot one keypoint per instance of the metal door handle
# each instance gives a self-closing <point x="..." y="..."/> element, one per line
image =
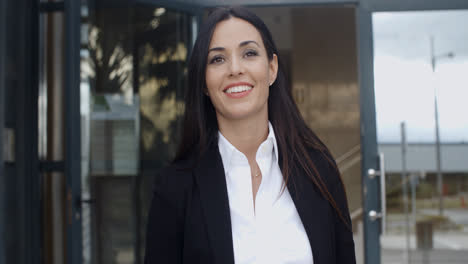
<point x="372" y="173"/>
<point x="373" y="215"/>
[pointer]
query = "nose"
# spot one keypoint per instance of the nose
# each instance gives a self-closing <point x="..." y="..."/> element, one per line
<point x="236" y="67"/>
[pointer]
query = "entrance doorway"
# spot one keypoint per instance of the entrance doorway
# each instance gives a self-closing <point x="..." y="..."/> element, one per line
<point x="133" y="80"/>
<point x="133" y="64"/>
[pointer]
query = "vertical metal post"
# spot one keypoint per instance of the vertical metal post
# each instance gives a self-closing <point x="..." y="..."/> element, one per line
<point x="368" y="134"/>
<point x="33" y="182"/>
<point x="436" y="117"/>
<point x="26" y="157"/>
<point x="404" y="183"/>
<point x="73" y="131"/>
<point x="19" y="187"/>
<point x="3" y="24"/>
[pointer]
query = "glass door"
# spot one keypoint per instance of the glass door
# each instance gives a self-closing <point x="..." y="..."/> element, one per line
<point x="420" y="85"/>
<point x="133" y="74"/>
<point x="133" y="77"/>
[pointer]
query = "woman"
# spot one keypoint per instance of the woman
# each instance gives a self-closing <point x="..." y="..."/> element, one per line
<point x="251" y="183"/>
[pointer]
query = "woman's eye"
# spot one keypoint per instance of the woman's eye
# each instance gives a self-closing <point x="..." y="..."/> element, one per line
<point x="216" y="59"/>
<point x="251" y="53"/>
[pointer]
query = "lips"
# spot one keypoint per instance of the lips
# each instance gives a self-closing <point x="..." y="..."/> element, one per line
<point x="238" y="90"/>
<point x="238" y="87"/>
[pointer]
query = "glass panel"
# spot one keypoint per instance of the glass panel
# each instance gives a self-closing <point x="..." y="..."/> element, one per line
<point x="133" y="78"/>
<point x="163" y="51"/>
<point x="318" y="47"/>
<point x="421" y="60"/>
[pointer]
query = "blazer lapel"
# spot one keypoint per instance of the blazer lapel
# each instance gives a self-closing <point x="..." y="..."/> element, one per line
<point x="314" y="212"/>
<point x="209" y="174"/>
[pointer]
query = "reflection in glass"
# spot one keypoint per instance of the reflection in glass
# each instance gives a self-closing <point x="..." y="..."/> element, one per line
<point x="133" y="67"/>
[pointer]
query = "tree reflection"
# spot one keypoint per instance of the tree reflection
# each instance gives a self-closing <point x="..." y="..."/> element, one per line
<point x="141" y="51"/>
<point x="133" y="55"/>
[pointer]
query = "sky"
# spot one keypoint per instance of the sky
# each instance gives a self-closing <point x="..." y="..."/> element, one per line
<point x="405" y="84"/>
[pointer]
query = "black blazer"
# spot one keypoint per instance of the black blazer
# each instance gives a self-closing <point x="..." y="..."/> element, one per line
<point x="189" y="219"/>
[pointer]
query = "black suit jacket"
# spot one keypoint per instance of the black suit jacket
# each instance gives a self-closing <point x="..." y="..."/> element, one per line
<point x="189" y="219"/>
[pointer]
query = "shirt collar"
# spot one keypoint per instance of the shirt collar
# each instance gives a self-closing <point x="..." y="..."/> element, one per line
<point x="271" y="135"/>
<point x="227" y="150"/>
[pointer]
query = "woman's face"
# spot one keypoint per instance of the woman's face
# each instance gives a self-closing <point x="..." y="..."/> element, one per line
<point x="239" y="73"/>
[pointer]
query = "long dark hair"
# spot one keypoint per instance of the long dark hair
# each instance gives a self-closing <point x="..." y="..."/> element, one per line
<point x="200" y="127"/>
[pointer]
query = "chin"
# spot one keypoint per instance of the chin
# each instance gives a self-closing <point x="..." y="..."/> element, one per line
<point x="239" y="116"/>
<point x="244" y="114"/>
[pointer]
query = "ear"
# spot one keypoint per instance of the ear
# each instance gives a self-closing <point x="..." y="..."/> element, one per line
<point x="273" y="69"/>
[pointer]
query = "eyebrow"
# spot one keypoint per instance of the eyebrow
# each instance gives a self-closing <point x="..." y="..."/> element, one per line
<point x="243" y="43"/>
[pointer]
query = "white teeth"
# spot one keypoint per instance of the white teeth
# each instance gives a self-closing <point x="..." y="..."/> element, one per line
<point x="238" y="89"/>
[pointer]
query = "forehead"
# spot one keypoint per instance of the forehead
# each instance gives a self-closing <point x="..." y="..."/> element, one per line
<point x="232" y="32"/>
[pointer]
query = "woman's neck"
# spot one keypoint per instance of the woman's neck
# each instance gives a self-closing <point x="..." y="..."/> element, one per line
<point x="245" y="135"/>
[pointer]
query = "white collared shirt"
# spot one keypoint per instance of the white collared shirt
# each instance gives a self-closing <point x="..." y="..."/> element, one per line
<point x="273" y="232"/>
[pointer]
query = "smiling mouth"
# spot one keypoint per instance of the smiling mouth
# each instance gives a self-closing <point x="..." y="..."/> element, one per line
<point x="238" y="89"/>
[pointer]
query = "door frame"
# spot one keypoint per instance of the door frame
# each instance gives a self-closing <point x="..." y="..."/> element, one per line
<point x="20" y="218"/>
<point x="369" y="152"/>
<point x="74" y="254"/>
<point x="2" y="125"/>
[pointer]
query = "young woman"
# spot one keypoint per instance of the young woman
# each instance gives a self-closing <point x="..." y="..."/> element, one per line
<point x="251" y="183"/>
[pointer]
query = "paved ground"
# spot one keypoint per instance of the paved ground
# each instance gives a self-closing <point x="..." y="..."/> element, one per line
<point x="449" y="247"/>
